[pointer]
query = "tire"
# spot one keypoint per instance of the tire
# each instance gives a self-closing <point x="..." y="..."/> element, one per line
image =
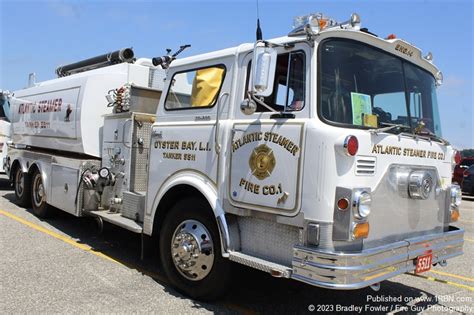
<point x="22" y="186"/>
<point x="189" y="224"/>
<point x="38" y="196"/>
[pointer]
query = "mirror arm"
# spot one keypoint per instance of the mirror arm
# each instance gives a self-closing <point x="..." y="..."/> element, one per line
<point x="258" y="101"/>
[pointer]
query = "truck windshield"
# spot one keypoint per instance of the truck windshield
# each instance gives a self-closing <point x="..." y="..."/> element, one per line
<point x="363" y="87"/>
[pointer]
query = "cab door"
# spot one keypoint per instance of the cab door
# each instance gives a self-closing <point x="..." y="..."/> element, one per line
<point x="267" y="146"/>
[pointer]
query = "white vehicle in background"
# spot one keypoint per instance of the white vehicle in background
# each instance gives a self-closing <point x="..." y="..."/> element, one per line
<point x="5" y="133"/>
<point x="315" y="156"/>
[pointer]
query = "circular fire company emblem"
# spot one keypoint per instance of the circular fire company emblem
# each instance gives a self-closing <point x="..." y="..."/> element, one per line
<point x="262" y="162"/>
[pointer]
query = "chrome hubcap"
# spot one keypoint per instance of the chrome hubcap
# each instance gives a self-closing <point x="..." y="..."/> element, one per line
<point x="19" y="183"/>
<point x="192" y="250"/>
<point x="38" y="191"/>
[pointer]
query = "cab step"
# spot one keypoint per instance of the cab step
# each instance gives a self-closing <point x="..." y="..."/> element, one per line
<point x="276" y="270"/>
<point x="119" y="220"/>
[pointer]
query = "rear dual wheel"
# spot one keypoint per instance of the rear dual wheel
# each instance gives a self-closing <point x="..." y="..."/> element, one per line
<point x="38" y="196"/>
<point x="22" y="185"/>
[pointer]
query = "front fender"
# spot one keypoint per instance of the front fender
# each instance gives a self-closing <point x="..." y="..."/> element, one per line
<point x="206" y="188"/>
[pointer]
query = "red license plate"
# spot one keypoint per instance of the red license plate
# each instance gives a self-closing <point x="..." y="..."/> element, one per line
<point x="423" y="263"/>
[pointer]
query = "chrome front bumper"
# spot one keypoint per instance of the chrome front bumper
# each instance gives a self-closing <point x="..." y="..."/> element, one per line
<point x="346" y="271"/>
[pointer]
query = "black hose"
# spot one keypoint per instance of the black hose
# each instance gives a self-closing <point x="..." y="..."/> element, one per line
<point x="80" y="183"/>
<point x="118" y="56"/>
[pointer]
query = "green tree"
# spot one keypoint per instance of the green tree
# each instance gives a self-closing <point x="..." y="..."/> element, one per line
<point x="467" y="153"/>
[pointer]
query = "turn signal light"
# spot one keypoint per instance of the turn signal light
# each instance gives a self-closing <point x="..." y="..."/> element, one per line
<point x="351" y="145"/>
<point x="454" y="215"/>
<point x="360" y="230"/>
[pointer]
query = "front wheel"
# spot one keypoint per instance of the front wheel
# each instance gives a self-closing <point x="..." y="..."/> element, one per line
<point x="21" y="182"/>
<point x="190" y="251"/>
<point x="38" y="197"/>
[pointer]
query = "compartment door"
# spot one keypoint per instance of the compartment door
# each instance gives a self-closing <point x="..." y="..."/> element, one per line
<point x="64" y="182"/>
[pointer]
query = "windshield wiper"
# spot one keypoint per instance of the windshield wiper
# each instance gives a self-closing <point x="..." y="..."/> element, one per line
<point x="420" y="130"/>
<point x="432" y="136"/>
<point x="389" y="127"/>
<point x="401" y="128"/>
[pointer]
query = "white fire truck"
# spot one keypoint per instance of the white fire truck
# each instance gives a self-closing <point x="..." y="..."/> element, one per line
<point x="316" y="156"/>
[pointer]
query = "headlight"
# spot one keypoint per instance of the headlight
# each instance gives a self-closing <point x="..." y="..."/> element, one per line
<point x="456" y="196"/>
<point x="361" y="204"/>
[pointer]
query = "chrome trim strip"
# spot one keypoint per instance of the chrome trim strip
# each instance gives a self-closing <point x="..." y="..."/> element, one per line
<point x="224" y="234"/>
<point x="346" y="270"/>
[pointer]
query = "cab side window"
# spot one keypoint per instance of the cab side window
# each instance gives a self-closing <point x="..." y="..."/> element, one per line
<point x="289" y="86"/>
<point x="198" y="88"/>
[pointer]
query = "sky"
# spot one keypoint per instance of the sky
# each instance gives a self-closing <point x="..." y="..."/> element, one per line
<point x="38" y="36"/>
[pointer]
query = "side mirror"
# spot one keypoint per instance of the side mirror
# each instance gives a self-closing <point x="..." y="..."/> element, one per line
<point x="263" y="69"/>
<point x="248" y="106"/>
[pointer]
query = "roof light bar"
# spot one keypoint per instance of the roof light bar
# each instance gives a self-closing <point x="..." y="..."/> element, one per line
<point x="314" y="23"/>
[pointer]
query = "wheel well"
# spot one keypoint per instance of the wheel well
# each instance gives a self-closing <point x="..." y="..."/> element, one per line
<point x="169" y="199"/>
<point x="32" y="168"/>
<point x="15" y="165"/>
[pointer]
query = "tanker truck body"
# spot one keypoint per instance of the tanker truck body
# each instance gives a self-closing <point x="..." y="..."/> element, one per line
<point x="62" y="127"/>
<point x="316" y="156"/>
<point x="66" y="114"/>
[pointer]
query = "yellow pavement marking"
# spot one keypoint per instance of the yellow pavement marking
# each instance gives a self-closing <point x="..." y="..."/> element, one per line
<point x="452" y="275"/>
<point x="454" y="284"/>
<point x="63" y="238"/>
<point x="74" y="243"/>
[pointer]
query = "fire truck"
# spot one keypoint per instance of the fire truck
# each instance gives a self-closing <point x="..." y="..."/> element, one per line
<point x="316" y="156"/>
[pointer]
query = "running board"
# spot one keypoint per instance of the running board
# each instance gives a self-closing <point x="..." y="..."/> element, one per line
<point x="276" y="270"/>
<point x="117" y="219"/>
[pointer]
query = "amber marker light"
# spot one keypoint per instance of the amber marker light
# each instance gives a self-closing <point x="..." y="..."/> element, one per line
<point x="454" y="215"/>
<point x="343" y="204"/>
<point x="360" y="230"/>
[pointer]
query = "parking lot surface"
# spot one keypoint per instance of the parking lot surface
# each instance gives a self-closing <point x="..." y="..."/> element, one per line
<point x="64" y="265"/>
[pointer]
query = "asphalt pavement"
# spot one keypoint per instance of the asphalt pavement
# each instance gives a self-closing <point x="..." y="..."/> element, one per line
<point x="64" y="265"/>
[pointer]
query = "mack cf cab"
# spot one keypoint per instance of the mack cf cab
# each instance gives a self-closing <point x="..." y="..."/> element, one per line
<point x="317" y="156"/>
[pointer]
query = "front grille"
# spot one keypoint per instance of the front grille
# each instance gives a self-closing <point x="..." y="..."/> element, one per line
<point x="365" y="165"/>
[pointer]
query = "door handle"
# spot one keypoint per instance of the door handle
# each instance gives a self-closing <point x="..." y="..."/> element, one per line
<point x="155" y="133"/>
